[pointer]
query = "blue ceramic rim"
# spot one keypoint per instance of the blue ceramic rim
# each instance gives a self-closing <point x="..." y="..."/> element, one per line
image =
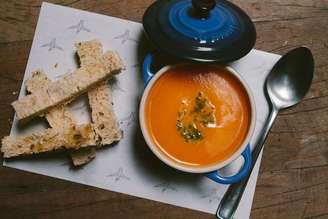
<point x="150" y="78"/>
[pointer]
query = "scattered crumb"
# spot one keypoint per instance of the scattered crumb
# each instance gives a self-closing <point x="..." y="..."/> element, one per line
<point x="56" y="65"/>
<point x="15" y="92"/>
<point x="10" y="121"/>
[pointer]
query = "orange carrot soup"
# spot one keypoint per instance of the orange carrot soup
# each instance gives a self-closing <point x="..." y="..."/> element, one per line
<point x="197" y="115"/>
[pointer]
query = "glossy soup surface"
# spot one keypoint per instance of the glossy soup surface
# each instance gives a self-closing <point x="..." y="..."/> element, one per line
<point x="176" y="90"/>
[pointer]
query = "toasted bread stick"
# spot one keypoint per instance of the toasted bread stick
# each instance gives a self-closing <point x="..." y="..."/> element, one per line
<point x="74" y="138"/>
<point x="68" y="87"/>
<point x="60" y="118"/>
<point x="103" y="117"/>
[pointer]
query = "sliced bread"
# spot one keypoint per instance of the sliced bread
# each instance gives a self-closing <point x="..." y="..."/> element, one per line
<point x="74" y="138"/>
<point x="60" y="118"/>
<point x="103" y="117"/>
<point x="68" y="87"/>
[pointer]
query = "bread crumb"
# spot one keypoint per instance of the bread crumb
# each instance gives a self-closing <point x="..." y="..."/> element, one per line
<point x="14" y="93"/>
<point x="56" y="65"/>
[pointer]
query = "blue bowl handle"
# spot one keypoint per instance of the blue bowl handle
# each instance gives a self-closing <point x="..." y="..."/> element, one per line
<point x="239" y="176"/>
<point x="147" y="74"/>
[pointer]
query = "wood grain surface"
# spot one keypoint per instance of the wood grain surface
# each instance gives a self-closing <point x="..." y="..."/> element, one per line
<point x="293" y="180"/>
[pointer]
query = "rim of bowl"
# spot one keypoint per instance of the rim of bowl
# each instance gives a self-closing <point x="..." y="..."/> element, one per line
<point x="183" y="167"/>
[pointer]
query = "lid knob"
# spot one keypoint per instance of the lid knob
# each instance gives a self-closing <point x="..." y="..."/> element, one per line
<point x="202" y="8"/>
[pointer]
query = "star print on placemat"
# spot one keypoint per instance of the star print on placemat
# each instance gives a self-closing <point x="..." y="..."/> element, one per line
<point x="212" y="195"/>
<point x="128" y="120"/>
<point x="59" y="76"/>
<point x="52" y="45"/>
<point x="118" y="175"/>
<point x="125" y="37"/>
<point x="165" y="186"/>
<point x="79" y="27"/>
<point x="135" y="66"/>
<point x="117" y="87"/>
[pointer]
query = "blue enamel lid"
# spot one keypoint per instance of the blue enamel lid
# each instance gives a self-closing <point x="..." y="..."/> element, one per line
<point x="200" y="30"/>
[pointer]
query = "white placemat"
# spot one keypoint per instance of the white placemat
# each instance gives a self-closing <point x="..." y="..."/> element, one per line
<point x="128" y="167"/>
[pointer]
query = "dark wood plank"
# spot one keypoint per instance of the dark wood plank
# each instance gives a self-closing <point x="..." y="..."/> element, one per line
<point x="293" y="181"/>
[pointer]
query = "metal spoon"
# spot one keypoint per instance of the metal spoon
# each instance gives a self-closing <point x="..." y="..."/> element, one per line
<point x="286" y="85"/>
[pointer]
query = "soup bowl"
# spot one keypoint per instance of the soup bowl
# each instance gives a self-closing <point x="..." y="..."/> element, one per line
<point x="190" y="135"/>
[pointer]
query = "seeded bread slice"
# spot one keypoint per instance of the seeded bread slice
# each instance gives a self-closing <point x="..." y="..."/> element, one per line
<point x="60" y="118"/>
<point x="68" y="87"/>
<point x="103" y="117"/>
<point x="104" y="121"/>
<point x="51" y="139"/>
<point x="57" y="93"/>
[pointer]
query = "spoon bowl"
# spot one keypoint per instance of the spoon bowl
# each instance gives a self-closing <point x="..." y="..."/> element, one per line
<point x="286" y="85"/>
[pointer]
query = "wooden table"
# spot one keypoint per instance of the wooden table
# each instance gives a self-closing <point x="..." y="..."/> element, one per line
<point x="293" y="181"/>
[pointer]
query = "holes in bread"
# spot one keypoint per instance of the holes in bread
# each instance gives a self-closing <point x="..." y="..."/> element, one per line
<point x="101" y="113"/>
<point x="101" y="126"/>
<point x="77" y="139"/>
<point x="36" y="147"/>
<point x="77" y="136"/>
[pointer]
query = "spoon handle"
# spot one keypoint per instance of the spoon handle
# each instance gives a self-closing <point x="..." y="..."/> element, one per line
<point x="231" y="199"/>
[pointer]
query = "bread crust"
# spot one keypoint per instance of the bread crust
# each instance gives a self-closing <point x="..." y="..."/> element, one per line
<point x="51" y="139"/>
<point x="50" y="98"/>
<point x="69" y="87"/>
<point x="60" y="118"/>
<point x="103" y="117"/>
<point x="104" y="121"/>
